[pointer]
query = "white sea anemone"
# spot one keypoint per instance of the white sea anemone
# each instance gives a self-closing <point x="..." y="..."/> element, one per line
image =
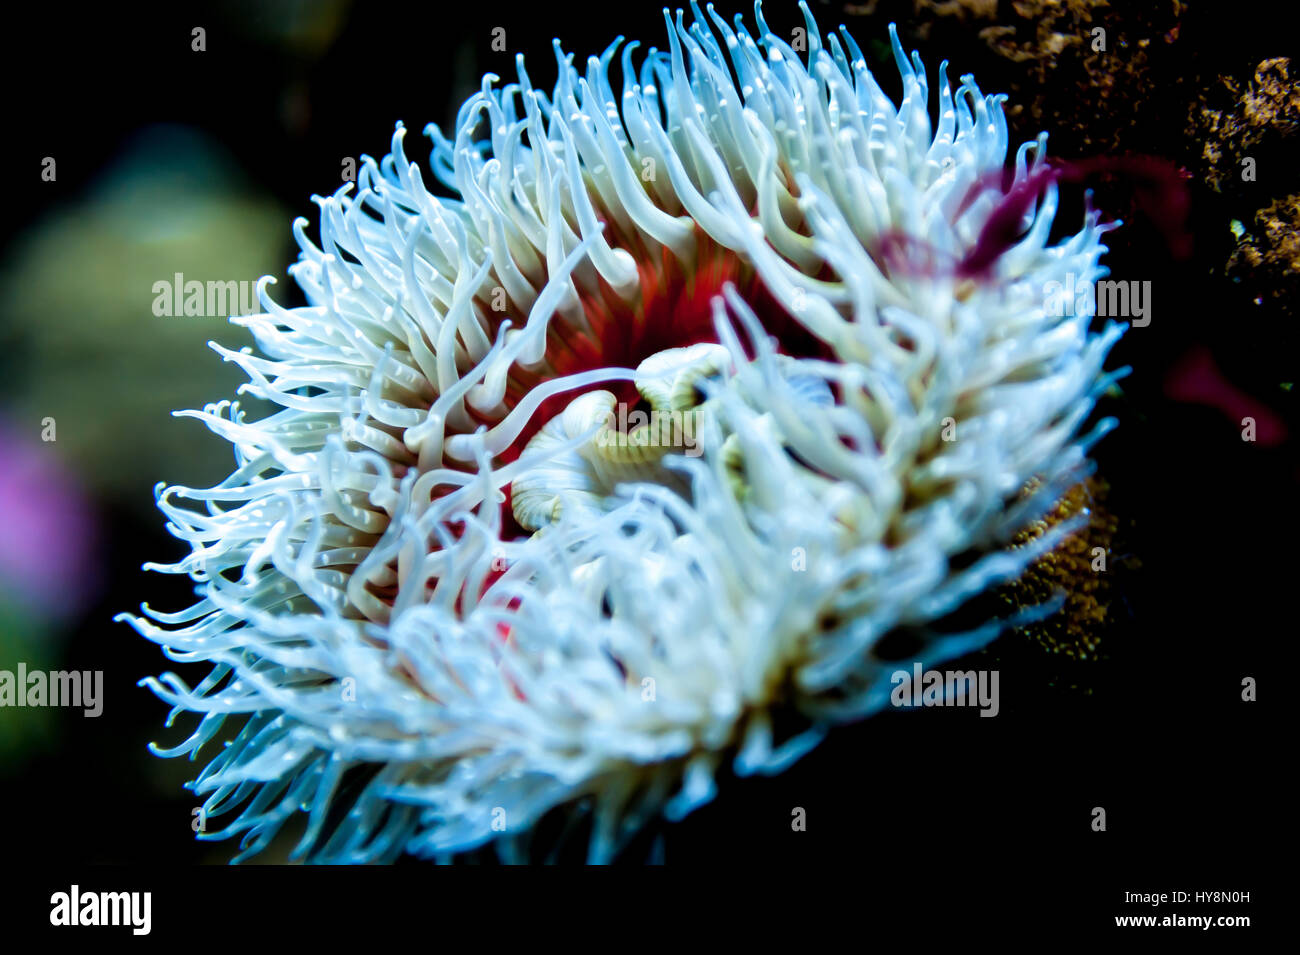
<point x="444" y="570"/>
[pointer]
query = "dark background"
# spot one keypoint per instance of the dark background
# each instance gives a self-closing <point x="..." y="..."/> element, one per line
<point x="1156" y="732"/>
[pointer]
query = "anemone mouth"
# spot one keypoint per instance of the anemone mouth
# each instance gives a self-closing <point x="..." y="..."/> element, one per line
<point x="439" y="560"/>
<point x="672" y="308"/>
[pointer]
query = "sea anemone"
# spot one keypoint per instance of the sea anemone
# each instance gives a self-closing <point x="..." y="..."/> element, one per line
<point x="450" y="589"/>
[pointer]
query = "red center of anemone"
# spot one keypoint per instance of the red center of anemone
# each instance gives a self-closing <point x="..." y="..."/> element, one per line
<point x="673" y="309"/>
